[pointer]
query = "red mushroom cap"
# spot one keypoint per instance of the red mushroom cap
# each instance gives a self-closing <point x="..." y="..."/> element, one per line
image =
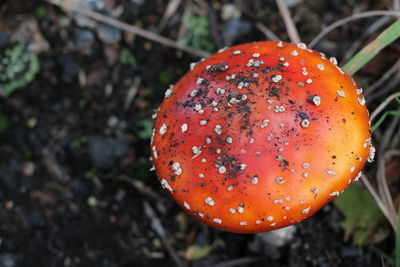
<point x="260" y="136"/>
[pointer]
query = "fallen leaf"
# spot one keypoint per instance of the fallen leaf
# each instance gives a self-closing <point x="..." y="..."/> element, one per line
<point x="361" y="215"/>
<point x="196" y="252"/>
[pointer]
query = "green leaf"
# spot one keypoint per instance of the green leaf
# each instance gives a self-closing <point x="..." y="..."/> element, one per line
<point x="361" y="214"/>
<point x="372" y="49"/>
<point x="196" y="252"/>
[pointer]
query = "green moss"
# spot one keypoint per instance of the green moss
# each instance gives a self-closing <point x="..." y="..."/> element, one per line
<point x="361" y="215"/>
<point x="198" y="33"/>
<point x="126" y="57"/>
<point x="18" y="67"/>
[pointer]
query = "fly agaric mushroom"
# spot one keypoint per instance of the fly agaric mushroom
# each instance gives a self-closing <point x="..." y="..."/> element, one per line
<point x="260" y="136"/>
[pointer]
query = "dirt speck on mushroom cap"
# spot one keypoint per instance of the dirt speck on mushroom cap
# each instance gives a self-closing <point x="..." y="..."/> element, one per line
<point x="246" y="137"/>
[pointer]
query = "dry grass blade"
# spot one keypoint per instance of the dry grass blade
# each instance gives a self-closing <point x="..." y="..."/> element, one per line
<point x="169" y="11"/>
<point x="357" y="16"/>
<point x="287" y="18"/>
<point x="393" y="69"/>
<point x="140" y="187"/>
<point x="373" y="28"/>
<point x="383" y="186"/>
<point x="53" y="167"/>
<point x="377" y="199"/>
<point x="388" y="36"/>
<point x="69" y="6"/>
<point x="187" y="11"/>
<point x="212" y="18"/>
<point x="132" y="92"/>
<point x="157" y="227"/>
<point x="383" y="105"/>
<point x="267" y="32"/>
<point x="396" y="5"/>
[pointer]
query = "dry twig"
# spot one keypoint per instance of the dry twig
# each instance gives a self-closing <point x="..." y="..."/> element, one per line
<point x="267" y="32"/>
<point x="341" y="22"/>
<point x="69" y="6"/>
<point x="53" y="167"/>
<point x="384" y="78"/>
<point x="212" y="17"/>
<point x="182" y="28"/>
<point x="140" y="187"/>
<point x="159" y="229"/>
<point x="383" y="186"/>
<point x="132" y="92"/>
<point x="169" y="11"/>
<point x="287" y="18"/>
<point x="396" y="5"/>
<point x="383" y="105"/>
<point x="377" y="199"/>
<point x="391" y="85"/>
<point x="373" y="28"/>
